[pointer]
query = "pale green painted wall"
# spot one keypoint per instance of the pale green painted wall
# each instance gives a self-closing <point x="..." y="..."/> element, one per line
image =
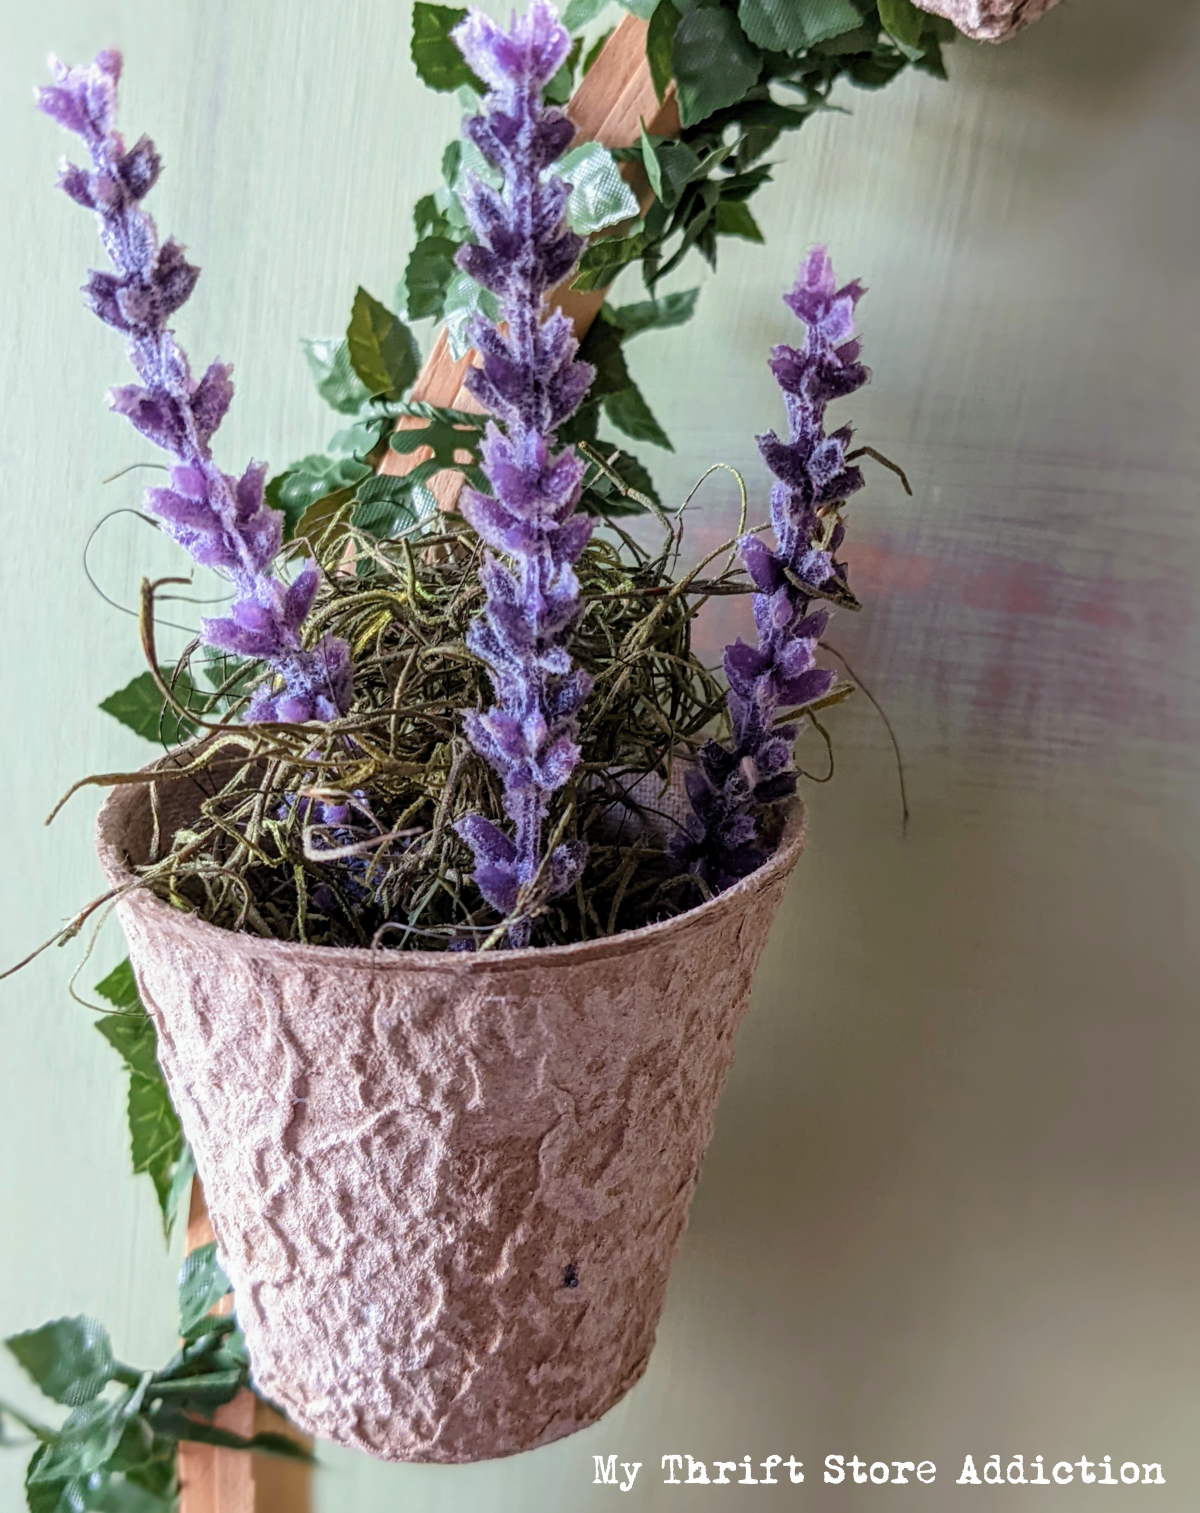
<point x="950" y="1207"/>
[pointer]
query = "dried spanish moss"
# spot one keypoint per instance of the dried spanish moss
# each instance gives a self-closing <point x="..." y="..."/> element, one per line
<point x="287" y="843"/>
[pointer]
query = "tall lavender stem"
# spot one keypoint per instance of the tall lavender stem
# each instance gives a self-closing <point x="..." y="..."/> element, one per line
<point x="530" y="382"/>
<point x="731" y="786"/>
<point x="222" y="522"/>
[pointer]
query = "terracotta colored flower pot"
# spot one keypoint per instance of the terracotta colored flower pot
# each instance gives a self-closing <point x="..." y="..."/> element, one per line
<point x="447" y="1188"/>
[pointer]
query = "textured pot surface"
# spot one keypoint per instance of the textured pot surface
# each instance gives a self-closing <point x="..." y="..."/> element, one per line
<point x="988" y="20"/>
<point x="446" y="1188"/>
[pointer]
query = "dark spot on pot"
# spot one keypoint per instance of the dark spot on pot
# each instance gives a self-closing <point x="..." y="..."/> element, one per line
<point x="571" y="1276"/>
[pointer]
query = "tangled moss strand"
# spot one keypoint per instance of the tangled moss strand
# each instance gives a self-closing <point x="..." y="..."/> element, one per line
<point x="254" y="859"/>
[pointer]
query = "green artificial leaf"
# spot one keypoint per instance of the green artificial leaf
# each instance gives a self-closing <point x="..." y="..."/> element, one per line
<point x="602" y="498"/>
<point x="123" y="1496"/>
<point x="790" y="26"/>
<point x="429" y="219"/>
<point x="431" y="267"/>
<point x="904" y="23"/>
<point x="87" y="1441"/>
<point x="605" y="258"/>
<point x="313" y="477"/>
<point x="599" y="196"/>
<point x="671" y="166"/>
<point x="713" y="63"/>
<point x="120" y="987"/>
<point x="464" y="300"/>
<point x="337" y="383"/>
<point x="642" y="8"/>
<point x="59" y="1495"/>
<point x="629" y="412"/>
<point x="580" y="12"/>
<point x="660" y="40"/>
<point x="182" y="1427"/>
<point x="180" y="1189"/>
<point x="141" y="707"/>
<point x="558" y="89"/>
<point x="601" y="346"/>
<point x="595" y="50"/>
<point x="653" y="314"/>
<point x="202" y="1285"/>
<point x="383" y="351"/>
<point x="155" y="1138"/>
<point x="453" y="437"/>
<point x="385" y="505"/>
<point x="71" y="1360"/>
<point x="434" y="53"/>
<point x="734" y="219"/>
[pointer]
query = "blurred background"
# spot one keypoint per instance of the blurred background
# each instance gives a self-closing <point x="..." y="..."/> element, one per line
<point x="951" y="1204"/>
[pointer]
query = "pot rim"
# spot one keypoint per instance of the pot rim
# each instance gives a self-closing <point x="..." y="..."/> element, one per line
<point x="116" y="810"/>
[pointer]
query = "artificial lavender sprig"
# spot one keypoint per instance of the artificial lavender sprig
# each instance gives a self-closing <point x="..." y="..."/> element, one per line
<point x="224" y="523"/>
<point x="530" y="382"/>
<point x="731" y="785"/>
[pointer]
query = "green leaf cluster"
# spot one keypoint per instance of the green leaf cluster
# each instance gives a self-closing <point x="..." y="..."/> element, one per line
<point x="116" y="1451"/>
<point x="735" y="63"/>
<point x="156" y="1142"/>
<point x="363" y="376"/>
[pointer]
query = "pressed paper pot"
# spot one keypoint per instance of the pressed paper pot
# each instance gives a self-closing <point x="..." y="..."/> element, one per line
<point x="447" y="1188"/>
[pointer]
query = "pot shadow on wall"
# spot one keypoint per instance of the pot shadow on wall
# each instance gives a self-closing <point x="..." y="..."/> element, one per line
<point x="953" y="1166"/>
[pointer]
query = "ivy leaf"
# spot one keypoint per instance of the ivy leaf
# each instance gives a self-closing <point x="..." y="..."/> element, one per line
<point x="430" y="269"/>
<point x="790" y="26"/>
<point x="629" y="412"/>
<point x="580" y="12"/>
<point x="337" y="382"/>
<point x="86" y="1442"/>
<point x="734" y="219"/>
<point x="601" y="346"/>
<point x="596" y="49"/>
<point x="61" y="1496"/>
<point x="384" y="506"/>
<point x="383" y="351"/>
<point x="599" y="196"/>
<point x="434" y="54"/>
<point x="558" y="89"/>
<point x="120" y="987"/>
<point x="713" y="62"/>
<point x="660" y="40"/>
<point x="605" y="258"/>
<point x="653" y="314"/>
<point x="71" y="1360"/>
<point x="312" y="478"/>
<point x="904" y="23"/>
<point x="141" y="707"/>
<point x="156" y="1141"/>
<point x="125" y="1496"/>
<point x="202" y="1285"/>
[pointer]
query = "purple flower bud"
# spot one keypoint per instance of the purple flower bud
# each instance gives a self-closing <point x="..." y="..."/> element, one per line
<point x="530" y="382"/>
<point x="224" y="523"/>
<point x="730" y="787"/>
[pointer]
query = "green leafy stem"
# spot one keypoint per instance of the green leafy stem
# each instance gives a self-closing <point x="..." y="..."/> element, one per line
<point x="116" y="1452"/>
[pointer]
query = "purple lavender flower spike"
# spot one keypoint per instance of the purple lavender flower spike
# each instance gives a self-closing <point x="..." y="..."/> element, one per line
<point x="731" y="786"/>
<point x="222" y="522"/>
<point x="531" y="383"/>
